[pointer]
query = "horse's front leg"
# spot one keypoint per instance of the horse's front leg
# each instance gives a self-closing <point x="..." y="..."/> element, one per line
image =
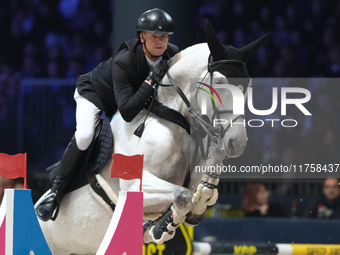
<point x="206" y="192"/>
<point x="165" y="206"/>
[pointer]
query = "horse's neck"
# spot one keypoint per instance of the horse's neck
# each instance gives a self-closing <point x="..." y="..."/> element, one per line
<point x="188" y="64"/>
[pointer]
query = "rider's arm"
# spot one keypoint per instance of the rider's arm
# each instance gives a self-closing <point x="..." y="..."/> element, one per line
<point x="129" y="102"/>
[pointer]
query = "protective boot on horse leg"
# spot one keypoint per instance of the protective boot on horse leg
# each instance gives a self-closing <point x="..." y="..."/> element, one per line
<point x="69" y="163"/>
<point x="164" y="228"/>
<point x="205" y="195"/>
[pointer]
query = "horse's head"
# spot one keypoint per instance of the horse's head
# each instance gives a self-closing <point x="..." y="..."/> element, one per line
<point x="227" y="66"/>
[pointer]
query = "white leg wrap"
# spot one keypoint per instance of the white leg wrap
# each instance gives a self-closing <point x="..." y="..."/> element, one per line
<point x="204" y="196"/>
<point x="212" y="200"/>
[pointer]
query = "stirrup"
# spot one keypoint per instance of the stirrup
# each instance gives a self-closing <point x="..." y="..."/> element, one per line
<point x="53" y="198"/>
<point x="55" y="212"/>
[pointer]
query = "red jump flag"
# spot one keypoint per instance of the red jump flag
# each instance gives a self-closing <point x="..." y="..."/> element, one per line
<point x="13" y="166"/>
<point x="127" y="167"/>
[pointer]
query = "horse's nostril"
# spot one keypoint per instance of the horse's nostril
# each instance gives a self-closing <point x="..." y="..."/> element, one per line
<point x="231" y="143"/>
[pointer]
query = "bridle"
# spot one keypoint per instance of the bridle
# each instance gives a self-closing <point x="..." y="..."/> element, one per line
<point x="214" y="134"/>
<point x="217" y="112"/>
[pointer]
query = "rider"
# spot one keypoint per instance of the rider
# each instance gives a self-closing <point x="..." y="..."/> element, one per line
<point x="124" y="82"/>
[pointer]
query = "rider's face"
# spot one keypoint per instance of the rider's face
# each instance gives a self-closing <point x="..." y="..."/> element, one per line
<point x="154" y="44"/>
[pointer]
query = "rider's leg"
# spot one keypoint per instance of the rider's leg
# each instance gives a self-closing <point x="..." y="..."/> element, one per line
<point x="87" y="116"/>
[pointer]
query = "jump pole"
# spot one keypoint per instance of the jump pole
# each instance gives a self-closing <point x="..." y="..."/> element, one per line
<point x="124" y="235"/>
<point x="206" y="248"/>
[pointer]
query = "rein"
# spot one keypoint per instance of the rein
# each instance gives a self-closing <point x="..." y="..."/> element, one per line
<point x="214" y="134"/>
<point x="207" y="127"/>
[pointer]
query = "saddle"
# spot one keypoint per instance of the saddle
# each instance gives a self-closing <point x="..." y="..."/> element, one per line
<point x="97" y="156"/>
<point x="100" y="151"/>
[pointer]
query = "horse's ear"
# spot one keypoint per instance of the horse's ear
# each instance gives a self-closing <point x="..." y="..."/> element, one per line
<point x="248" y="50"/>
<point x="217" y="49"/>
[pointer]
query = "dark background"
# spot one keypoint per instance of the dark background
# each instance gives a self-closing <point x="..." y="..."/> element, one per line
<point x="44" y="42"/>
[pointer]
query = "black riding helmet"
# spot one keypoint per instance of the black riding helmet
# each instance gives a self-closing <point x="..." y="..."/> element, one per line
<point x="155" y="21"/>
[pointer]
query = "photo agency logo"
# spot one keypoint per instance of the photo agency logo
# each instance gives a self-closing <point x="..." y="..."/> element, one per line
<point x="281" y="98"/>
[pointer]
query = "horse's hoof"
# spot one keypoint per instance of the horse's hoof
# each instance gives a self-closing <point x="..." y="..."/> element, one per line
<point x="45" y="210"/>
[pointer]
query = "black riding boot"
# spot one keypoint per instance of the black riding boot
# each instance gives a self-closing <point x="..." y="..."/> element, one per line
<point x="69" y="163"/>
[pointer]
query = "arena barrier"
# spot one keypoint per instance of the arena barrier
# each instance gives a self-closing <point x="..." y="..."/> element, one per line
<point x="125" y="233"/>
<point x="20" y="232"/>
<point x="206" y="248"/>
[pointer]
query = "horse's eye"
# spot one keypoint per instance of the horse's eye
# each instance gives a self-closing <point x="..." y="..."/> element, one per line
<point x="219" y="81"/>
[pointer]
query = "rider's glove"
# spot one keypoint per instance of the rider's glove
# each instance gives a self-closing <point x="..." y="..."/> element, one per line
<point x="158" y="72"/>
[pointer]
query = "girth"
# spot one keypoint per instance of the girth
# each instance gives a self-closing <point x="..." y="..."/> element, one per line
<point x="99" y="190"/>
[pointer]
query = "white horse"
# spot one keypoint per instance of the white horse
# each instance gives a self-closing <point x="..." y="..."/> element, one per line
<point x="84" y="217"/>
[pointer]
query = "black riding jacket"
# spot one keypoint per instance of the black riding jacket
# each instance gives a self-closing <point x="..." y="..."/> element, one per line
<point x="119" y="82"/>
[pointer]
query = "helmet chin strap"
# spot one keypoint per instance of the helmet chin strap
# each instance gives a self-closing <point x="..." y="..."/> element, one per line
<point x="153" y="56"/>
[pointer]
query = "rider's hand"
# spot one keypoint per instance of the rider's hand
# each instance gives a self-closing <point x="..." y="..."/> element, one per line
<point x="158" y="72"/>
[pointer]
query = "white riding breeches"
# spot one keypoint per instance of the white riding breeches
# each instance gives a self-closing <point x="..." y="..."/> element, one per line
<point x="87" y="117"/>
